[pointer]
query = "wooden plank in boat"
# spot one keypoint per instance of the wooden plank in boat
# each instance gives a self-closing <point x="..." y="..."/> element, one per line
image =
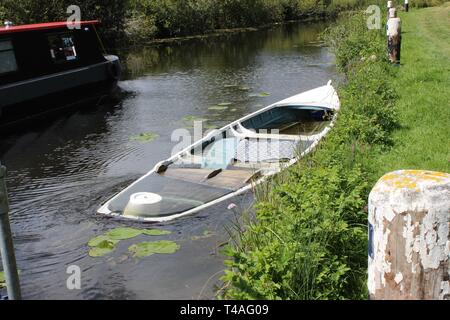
<point x="233" y="179"/>
<point x="228" y="179"/>
<point x="188" y="174"/>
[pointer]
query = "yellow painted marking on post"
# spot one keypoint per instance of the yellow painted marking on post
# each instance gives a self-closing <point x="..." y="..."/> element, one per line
<point x="410" y="178"/>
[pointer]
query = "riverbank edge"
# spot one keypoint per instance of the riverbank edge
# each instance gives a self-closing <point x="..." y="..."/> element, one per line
<point x="309" y="240"/>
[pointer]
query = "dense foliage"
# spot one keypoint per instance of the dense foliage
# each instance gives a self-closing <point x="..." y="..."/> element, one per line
<point x="112" y="13"/>
<point x="163" y="18"/>
<point x="147" y="19"/>
<point x="142" y="20"/>
<point x="309" y="239"/>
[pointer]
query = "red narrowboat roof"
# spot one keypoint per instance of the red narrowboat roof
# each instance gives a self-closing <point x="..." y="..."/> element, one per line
<point x="42" y="26"/>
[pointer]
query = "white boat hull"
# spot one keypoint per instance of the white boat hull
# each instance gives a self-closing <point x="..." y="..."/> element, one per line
<point x="323" y="99"/>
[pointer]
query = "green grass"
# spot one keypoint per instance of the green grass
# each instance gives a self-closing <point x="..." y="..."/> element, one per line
<point x="309" y="238"/>
<point x="422" y="82"/>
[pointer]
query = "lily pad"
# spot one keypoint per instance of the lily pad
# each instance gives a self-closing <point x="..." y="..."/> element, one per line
<point x="260" y="94"/>
<point x="193" y="118"/>
<point x="106" y="243"/>
<point x="206" y="234"/>
<point x="211" y="126"/>
<point x="97" y="252"/>
<point x="145" y="137"/>
<point x="103" y="248"/>
<point x="3" y="279"/>
<point x="155" y="232"/>
<point x="94" y="242"/>
<point x="123" y="233"/>
<point x="217" y="107"/>
<point x="145" y="249"/>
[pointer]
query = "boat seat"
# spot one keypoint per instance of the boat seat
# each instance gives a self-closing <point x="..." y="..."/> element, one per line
<point x="256" y="151"/>
<point x="227" y="179"/>
<point x="244" y="133"/>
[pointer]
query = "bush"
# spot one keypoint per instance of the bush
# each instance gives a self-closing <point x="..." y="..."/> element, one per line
<point x="352" y="42"/>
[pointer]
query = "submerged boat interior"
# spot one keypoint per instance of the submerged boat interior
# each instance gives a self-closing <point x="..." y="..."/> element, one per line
<point x="224" y="162"/>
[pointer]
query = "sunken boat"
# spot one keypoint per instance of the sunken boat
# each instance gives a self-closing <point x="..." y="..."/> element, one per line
<point x="50" y="66"/>
<point x="229" y="161"/>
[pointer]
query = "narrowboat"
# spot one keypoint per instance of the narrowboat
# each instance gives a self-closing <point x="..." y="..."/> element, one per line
<point x="49" y="66"/>
<point x="229" y="161"/>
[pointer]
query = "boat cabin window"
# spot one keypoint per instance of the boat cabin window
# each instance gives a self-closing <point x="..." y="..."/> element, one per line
<point x="62" y="47"/>
<point x="7" y="57"/>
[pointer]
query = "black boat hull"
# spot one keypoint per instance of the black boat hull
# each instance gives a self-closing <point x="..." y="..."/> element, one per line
<point x="23" y="101"/>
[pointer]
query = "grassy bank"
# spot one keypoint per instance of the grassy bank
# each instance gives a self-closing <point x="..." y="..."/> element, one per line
<point x="422" y="83"/>
<point x="309" y="238"/>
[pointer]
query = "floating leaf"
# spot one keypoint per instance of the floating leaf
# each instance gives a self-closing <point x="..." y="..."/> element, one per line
<point x="217" y="107"/>
<point x="211" y="126"/>
<point x="233" y="110"/>
<point x="155" y="232"/>
<point x="244" y="88"/>
<point x="145" y="249"/>
<point x="260" y="94"/>
<point x="230" y="86"/>
<point x="206" y="234"/>
<point x="106" y="243"/>
<point x="97" y="252"/>
<point x="225" y="104"/>
<point x="94" y="242"/>
<point x="145" y="137"/>
<point x="3" y="279"/>
<point x="123" y="233"/>
<point x="193" y="118"/>
<point x="102" y="248"/>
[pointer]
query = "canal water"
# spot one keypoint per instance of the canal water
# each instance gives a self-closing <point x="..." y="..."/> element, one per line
<point x="61" y="171"/>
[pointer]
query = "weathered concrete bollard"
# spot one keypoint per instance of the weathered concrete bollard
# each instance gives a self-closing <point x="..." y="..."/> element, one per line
<point x="394" y="33"/>
<point x="389" y="6"/>
<point x="409" y="238"/>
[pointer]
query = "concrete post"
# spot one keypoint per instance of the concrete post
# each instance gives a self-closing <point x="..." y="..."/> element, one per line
<point x="389" y="6"/>
<point x="394" y="33"/>
<point x="409" y="238"/>
<point x="6" y="243"/>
